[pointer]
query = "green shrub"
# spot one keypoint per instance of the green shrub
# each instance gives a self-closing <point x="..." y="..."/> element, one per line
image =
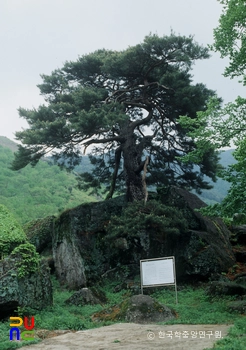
<point x="11" y="233"/>
<point x="152" y="216"/>
<point x="29" y="259"/>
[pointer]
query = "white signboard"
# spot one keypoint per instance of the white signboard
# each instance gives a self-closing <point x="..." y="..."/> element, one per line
<point x="158" y="272"/>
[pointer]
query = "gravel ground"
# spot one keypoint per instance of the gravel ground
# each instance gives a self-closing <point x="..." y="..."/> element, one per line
<point x="137" y="337"/>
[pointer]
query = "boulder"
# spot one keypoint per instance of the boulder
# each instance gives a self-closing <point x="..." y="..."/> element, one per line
<point x="69" y="264"/>
<point x="76" y="242"/>
<point x="239" y="218"/>
<point x="24" y="281"/>
<point x="240" y="254"/>
<point x="238" y="234"/>
<point x="217" y="288"/>
<point x="241" y="278"/>
<point x="87" y="296"/>
<point x="137" y="309"/>
<point x="237" y="306"/>
<point x="144" y="309"/>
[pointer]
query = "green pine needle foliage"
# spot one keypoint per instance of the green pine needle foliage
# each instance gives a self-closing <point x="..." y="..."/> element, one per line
<point x="153" y="216"/>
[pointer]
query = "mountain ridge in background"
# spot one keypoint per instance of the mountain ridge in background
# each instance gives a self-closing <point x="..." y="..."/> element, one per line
<point x="6" y="142"/>
<point x="45" y="190"/>
<point x="36" y="192"/>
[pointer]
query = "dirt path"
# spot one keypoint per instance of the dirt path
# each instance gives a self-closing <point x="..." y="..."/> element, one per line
<point x="137" y="337"/>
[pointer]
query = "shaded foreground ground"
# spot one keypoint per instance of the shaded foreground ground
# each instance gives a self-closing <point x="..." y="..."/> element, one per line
<point x="137" y="337"/>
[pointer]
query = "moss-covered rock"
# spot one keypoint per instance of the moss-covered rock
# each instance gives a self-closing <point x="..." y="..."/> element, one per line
<point x="237" y="306"/>
<point x="87" y="296"/>
<point x="217" y="288"/>
<point x="204" y="249"/>
<point x="170" y="226"/>
<point x="238" y="234"/>
<point x="137" y="309"/>
<point x="39" y="233"/>
<point x="241" y="278"/>
<point x="24" y="278"/>
<point x="77" y="242"/>
<point x="93" y="238"/>
<point x="28" y="287"/>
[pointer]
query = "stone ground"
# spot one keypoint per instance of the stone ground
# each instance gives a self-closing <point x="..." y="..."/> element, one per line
<point x="134" y="336"/>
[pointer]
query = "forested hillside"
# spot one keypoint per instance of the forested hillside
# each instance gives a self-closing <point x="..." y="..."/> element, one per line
<point x="37" y="192"/>
<point x="45" y="190"/>
<point x="5" y="142"/>
<point x="221" y="187"/>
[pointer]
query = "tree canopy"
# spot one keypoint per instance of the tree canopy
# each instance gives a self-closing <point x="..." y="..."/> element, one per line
<point x="230" y="37"/>
<point x="126" y="104"/>
<point x="226" y="126"/>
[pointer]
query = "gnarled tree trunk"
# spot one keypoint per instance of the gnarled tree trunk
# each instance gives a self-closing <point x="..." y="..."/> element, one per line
<point x="133" y="165"/>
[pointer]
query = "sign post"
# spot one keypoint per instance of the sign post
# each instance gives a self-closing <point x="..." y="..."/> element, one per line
<point x="158" y="272"/>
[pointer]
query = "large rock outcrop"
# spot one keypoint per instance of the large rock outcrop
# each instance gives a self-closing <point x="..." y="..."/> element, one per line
<point x="205" y="248"/>
<point x="76" y="242"/>
<point x="201" y="245"/>
<point x="84" y="246"/>
<point x="39" y="233"/>
<point x="24" y="280"/>
<point x="24" y="286"/>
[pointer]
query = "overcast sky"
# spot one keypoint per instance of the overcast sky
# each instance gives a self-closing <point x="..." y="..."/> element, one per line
<point x="38" y="36"/>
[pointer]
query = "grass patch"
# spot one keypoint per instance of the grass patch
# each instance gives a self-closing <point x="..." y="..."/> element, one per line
<point x="194" y="307"/>
<point x="236" y="339"/>
<point x="6" y="344"/>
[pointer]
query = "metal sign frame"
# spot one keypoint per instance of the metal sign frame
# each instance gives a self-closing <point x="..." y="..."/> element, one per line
<point x="162" y="270"/>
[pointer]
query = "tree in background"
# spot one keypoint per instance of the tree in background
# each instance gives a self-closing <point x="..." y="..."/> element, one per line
<point x="230" y="37"/>
<point x="126" y="105"/>
<point x="226" y="126"/>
